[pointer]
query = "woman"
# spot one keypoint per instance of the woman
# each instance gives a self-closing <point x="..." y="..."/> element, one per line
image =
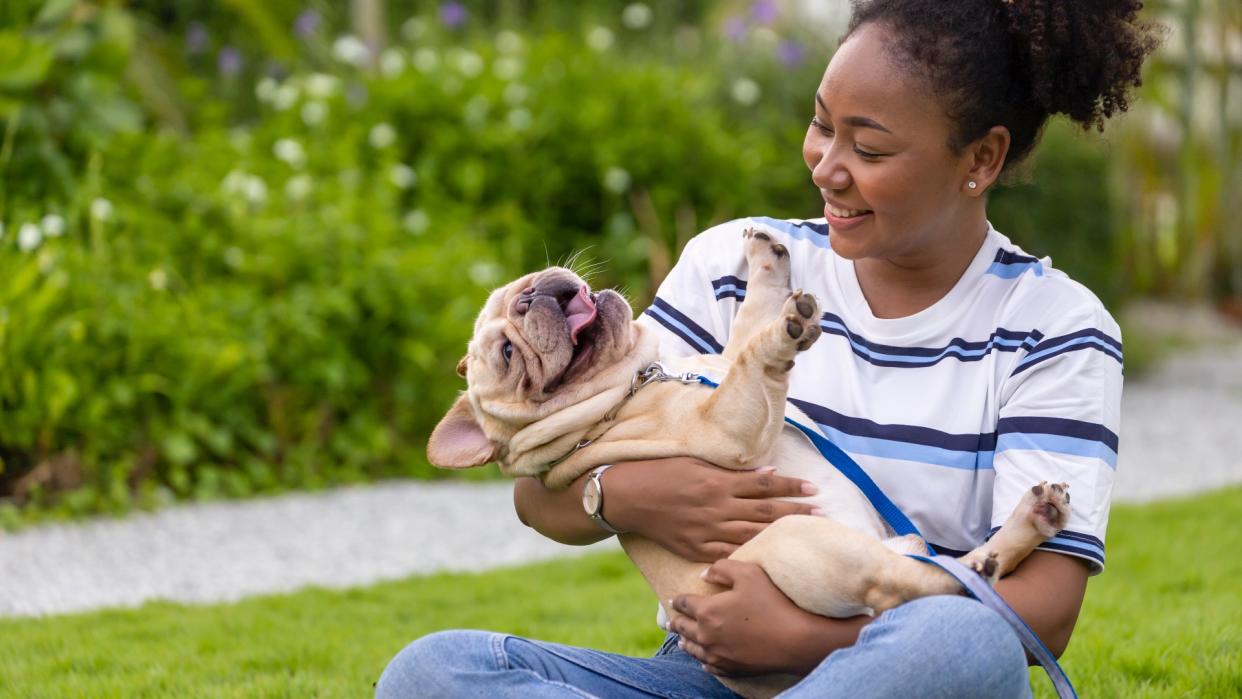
<point x="955" y="368"/>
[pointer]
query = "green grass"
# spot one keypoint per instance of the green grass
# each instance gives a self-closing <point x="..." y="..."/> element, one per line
<point x="1165" y="620"/>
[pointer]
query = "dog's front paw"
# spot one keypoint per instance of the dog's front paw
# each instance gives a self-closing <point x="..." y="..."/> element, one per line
<point x="801" y="318"/>
<point x="1048" y="507"/>
<point x="988" y="567"/>
<point x="767" y="259"/>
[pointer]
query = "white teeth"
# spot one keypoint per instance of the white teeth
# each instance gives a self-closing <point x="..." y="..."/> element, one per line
<point x="845" y="213"/>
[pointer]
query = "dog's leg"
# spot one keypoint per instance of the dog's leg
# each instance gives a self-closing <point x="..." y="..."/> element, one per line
<point x="767" y="287"/>
<point x="748" y="409"/>
<point x="1043" y="511"/>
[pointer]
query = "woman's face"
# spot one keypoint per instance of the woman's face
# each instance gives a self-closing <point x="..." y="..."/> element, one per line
<point x="878" y="152"/>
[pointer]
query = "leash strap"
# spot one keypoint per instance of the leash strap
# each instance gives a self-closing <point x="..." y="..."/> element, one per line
<point x="978" y="588"/>
<point x="975" y="586"/>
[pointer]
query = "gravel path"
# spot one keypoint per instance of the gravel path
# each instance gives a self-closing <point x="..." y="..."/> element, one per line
<point x="1182" y="433"/>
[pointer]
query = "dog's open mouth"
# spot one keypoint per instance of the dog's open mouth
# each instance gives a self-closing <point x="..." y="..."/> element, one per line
<point x="580" y="314"/>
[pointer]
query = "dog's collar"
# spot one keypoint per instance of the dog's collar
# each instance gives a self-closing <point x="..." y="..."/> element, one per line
<point x="655" y="372"/>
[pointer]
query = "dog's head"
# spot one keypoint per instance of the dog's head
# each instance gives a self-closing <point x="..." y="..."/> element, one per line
<point x="542" y="343"/>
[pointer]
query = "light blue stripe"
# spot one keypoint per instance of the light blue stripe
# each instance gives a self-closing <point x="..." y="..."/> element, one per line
<point x="675" y="323"/>
<point x="1076" y="341"/>
<point x="1057" y="444"/>
<point x="741" y="293"/>
<point x="1011" y="271"/>
<point x="929" y="359"/>
<point x="905" y="451"/>
<point x="795" y="230"/>
<point x="1075" y="543"/>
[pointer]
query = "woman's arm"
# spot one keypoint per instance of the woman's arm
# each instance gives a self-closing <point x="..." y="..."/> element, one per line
<point x="690" y="507"/>
<point x="1047" y="590"/>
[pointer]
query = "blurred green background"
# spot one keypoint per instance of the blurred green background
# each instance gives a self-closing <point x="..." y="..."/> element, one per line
<point x="242" y="243"/>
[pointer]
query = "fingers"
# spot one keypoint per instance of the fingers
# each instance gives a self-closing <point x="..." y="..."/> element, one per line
<point x="738" y="532"/>
<point x="768" y="511"/>
<point x="687" y="606"/>
<point x="765" y="484"/>
<point x="726" y="572"/>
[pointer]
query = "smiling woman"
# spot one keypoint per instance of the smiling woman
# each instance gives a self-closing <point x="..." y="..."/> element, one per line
<point x="954" y="368"/>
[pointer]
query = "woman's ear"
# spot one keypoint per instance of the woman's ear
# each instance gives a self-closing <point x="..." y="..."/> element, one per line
<point x="985" y="158"/>
<point x="458" y="441"/>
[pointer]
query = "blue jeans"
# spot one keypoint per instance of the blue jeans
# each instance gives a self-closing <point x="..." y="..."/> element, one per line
<point x="948" y="647"/>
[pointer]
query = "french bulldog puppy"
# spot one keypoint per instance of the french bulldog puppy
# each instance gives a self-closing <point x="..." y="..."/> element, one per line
<point x="552" y="392"/>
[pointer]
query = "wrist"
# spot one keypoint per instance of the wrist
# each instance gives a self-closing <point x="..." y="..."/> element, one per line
<point x="594" y="499"/>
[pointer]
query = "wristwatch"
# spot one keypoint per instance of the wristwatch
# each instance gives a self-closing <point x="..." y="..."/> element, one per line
<point x="593" y="499"/>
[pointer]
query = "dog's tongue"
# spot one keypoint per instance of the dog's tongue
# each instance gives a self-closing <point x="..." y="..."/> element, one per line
<point x="579" y="313"/>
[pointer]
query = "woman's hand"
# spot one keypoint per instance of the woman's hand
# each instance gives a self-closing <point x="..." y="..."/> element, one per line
<point x="694" y="509"/>
<point x="753" y="628"/>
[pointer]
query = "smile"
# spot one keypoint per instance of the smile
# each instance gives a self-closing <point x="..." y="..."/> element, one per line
<point x="845" y="213"/>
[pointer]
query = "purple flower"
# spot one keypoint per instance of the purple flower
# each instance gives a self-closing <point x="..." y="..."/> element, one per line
<point x="307" y="23"/>
<point x="735" y="28"/>
<point x="229" y="61"/>
<point x="764" y="11"/>
<point x="453" y="14"/>
<point x="790" y="53"/>
<point x="196" y="38"/>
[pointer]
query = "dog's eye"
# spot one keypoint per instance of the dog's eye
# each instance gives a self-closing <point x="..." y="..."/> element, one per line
<point x="507" y="351"/>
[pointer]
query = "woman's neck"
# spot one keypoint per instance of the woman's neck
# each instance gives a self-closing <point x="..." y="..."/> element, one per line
<point x="900" y="287"/>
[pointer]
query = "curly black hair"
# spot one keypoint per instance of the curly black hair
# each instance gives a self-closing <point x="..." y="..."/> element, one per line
<point x="1015" y="63"/>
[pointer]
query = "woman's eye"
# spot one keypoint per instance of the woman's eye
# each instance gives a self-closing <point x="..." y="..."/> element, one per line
<point x="507" y="351"/>
<point x="821" y="126"/>
<point x="866" y="154"/>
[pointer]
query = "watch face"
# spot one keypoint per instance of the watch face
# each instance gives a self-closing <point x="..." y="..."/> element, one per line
<point x="590" y="497"/>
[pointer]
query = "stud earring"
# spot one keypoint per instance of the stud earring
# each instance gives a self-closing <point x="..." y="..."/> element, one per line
<point x="972" y="184"/>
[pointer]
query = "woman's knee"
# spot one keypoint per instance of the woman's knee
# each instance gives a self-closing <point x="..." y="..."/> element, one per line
<point x="430" y="664"/>
<point x="960" y="635"/>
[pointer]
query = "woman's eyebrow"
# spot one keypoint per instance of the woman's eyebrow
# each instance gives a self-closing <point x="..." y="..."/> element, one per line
<point x="857" y="121"/>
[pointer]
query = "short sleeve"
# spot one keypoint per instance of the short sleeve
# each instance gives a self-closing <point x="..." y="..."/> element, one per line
<point x="1059" y="421"/>
<point x="693" y="309"/>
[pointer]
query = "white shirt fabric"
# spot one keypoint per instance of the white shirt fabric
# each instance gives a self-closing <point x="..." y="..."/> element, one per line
<point x="1013" y="378"/>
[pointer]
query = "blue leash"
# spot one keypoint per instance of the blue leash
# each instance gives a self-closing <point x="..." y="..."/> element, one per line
<point x="901" y="525"/>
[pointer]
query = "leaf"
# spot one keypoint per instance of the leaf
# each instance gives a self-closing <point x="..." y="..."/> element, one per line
<point x="23" y="63"/>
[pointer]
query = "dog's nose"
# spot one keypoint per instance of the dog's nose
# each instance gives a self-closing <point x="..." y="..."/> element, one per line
<point x="524" y="299"/>
<point x="562" y="290"/>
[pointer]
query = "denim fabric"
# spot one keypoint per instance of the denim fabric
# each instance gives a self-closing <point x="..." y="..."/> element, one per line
<point x="932" y="647"/>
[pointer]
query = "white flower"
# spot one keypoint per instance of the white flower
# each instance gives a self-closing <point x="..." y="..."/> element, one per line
<point x="392" y="63"/>
<point x="53" y="225"/>
<point x="469" y="63"/>
<point x="298" y="187"/>
<point x="158" y="279"/>
<point x="255" y="190"/>
<point x="413" y="28"/>
<point x="507" y="67"/>
<point x="516" y="93"/>
<point x="350" y="49"/>
<point x="616" y="180"/>
<point x="101" y="209"/>
<point x="475" y="111"/>
<point x="520" y="119"/>
<point x="382" y="135"/>
<point x="402" y="176"/>
<point x="600" y="38"/>
<point x="265" y="90"/>
<point x="508" y="41"/>
<point x="239" y="138"/>
<point x="314" y="112"/>
<point x="321" y="86"/>
<point x="285" y="97"/>
<point x="290" y="152"/>
<point x="29" y="237"/>
<point x="745" y="91"/>
<point x="416" y="222"/>
<point x="636" y="15"/>
<point x="426" y="60"/>
<point x="485" y="273"/>
<point x="234" y="182"/>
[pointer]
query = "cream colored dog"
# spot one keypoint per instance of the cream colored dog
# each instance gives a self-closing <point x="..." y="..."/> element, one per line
<point x="552" y="365"/>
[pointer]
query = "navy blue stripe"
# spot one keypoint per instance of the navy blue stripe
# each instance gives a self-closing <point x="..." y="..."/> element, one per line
<point x="911" y="434"/>
<point x="1067" y="534"/>
<point x="1089" y="332"/>
<point x="728" y="281"/>
<point x="1005" y="257"/>
<point x="692" y="326"/>
<point x="1084" y="340"/>
<point x="944" y="551"/>
<point x="1060" y="426"/>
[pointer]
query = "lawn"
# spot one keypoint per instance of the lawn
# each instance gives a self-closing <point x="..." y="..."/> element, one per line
<point x="1165" y="620"/>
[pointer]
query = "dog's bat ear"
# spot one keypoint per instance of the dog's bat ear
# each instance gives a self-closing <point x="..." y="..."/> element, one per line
<point x="458" y="441"/>
<point x="461" y="367"/>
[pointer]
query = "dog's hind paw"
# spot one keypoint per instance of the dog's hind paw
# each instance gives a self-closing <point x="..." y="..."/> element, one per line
<point x="1047" y="507"/>
<point x="988" y="567"/>
<point x="767" y="259"/>
<point x="801" y="317"/>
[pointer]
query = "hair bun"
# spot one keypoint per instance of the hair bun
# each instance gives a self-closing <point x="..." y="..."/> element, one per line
<point x="1081" y="57"/>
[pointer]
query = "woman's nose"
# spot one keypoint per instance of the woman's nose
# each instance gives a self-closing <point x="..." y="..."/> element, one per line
<point x="828" y="172"/>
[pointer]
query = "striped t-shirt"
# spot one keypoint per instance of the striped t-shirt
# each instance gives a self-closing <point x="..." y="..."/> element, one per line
<point x="1013" y="378"/>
